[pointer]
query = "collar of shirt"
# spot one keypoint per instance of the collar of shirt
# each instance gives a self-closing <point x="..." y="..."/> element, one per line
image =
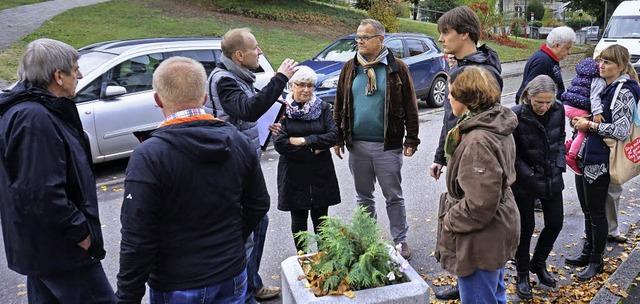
<point x="185" y="113"/>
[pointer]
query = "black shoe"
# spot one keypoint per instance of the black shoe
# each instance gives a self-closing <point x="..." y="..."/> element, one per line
<point x="617" y="238"/>
<point x="452" y="293"/>
<point x="523" y="286"/>
<point x="540" y="269"/>
<point x="591" y="271"/>
<point x="581" y="261"/>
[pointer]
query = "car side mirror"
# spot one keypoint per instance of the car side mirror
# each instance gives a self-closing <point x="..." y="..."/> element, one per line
<point x="114" y="91"/>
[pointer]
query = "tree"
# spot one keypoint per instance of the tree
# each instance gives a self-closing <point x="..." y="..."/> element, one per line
<point x="362" y="4"/>
<point x="594" y="8"/>
<point x="385" y="12"/>
<point x="433" y="9"/>
<point x="537" y="8"/>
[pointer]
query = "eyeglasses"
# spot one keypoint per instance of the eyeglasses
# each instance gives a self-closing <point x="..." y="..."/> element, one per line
<point x="309" y="85"/>
<point x="365" y="38"/>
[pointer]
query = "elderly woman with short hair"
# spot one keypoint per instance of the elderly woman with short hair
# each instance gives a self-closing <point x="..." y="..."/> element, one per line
<point x="479" y="223"/>
<point x="539" y="165"/>
<point x="307" y="181"/>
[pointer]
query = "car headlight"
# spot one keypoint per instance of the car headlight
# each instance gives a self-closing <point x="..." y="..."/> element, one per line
<point x="329" y="83"/>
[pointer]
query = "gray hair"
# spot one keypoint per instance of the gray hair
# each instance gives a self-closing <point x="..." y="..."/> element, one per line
<point x="181" y="83"/>
<point x="42" y="58"/>
<point x="376" y="25"/>
<point x="304" y="74"/>
<point x="561" y="35"/>
<point x="539" y="84"/>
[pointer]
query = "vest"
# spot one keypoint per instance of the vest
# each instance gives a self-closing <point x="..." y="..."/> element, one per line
<point x="250" y="129"/>
<point x="596" y="150"/>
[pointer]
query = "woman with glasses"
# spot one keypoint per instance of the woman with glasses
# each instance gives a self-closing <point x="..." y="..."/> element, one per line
<point x="540" y="162"/>
<point x="307" y="181"/>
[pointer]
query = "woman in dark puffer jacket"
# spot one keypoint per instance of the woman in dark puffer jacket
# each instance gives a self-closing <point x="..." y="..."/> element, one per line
<point x="540" y="162"/>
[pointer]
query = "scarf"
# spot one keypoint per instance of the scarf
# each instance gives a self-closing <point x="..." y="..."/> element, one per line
<point x="310" y="110"/>
<point x="454" y="136"/>
<point x="369" y="69"/>
<point x="241" y="72"/>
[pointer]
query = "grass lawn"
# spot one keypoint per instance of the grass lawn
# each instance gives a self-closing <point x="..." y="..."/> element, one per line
<point x="4" y="4"/>
<point x="278" y="31"/>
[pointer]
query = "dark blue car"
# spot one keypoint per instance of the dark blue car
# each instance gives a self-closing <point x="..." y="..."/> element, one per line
<point x="427" y="65"/>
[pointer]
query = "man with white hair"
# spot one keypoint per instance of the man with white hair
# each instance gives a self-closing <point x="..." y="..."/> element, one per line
<point x="194" y="191"/>
<point x="546" y="61"/>
<point x="48" y="200"/>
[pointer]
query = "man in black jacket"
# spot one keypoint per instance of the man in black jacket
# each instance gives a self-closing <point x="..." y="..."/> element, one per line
<point x="194" y="191"/>
<point x="236" y="100"/>
<point x="48" y="200"/>
<point x="459" y="34"/>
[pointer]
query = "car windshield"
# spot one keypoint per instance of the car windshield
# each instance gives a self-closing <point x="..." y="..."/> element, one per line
<point x="91" y="60"/>
<point x="341" y="50"/>
<point x="623" y="27"/>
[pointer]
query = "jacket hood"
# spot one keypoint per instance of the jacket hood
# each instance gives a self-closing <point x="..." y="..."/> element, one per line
<point x="499" y="120"/>
<point x="203" y="140"/>
<point x="484" y="56"/>
<point x="21" y="92"/>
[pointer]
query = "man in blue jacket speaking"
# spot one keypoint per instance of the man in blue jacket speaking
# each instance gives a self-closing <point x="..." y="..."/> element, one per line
<point x="194" y="191"/>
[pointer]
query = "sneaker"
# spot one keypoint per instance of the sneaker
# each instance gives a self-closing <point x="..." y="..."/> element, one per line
<point x="617" y="238"/>
<point x="405" y="252"/>
<point x="572" y="163"/>
<point x="537" y="205"/>
<point x="266" y="293"/>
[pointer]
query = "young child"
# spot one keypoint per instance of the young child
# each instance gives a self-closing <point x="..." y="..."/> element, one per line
<point x="582" y="98"/>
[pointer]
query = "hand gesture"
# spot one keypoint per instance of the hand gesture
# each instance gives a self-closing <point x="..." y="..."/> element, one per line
<point x="288" y="67"/>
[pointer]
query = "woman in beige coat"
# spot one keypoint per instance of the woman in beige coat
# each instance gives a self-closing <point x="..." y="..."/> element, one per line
<point x="479" y="224"/>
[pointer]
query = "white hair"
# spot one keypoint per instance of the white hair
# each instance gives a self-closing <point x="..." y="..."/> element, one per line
<point x="304" y="74"/>
<point x="561" y="35"/>
<point x="43" y="57"/>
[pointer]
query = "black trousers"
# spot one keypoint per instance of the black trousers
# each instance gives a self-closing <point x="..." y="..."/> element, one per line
<point x="552" y="210"/>
<point x="592" y="198"/>
<point x="85" y="285"/>
<point x="299" y="221"/>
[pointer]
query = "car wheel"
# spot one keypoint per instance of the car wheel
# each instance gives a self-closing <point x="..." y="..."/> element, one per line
<point x="437" y="92"/>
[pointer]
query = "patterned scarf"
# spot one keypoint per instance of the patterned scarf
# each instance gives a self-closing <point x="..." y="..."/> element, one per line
<point x="369" y="69"/>
<point x="310" y="110"/>
<point x="453" y="137"/>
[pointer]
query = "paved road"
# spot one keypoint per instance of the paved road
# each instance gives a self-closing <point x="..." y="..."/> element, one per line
<point x="20" y="21"/>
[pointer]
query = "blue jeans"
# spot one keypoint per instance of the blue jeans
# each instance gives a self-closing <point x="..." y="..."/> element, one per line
<point x="254" y="255"/>
<point x="483" y="287"/>
<point x="228" y="291"/>
<point x="84" y="285"/>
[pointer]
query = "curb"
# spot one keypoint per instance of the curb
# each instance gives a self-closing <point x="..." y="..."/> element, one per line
<point x="623" y="276"/>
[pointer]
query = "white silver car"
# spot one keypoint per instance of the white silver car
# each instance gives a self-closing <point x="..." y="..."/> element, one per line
<point x="115" y="97"/>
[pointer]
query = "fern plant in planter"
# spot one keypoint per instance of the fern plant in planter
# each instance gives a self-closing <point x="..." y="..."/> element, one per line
<point x="351" y="256"/>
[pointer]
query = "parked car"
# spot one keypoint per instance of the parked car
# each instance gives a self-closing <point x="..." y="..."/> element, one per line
<point x="428" y="67"/>
<point x="592" y="32"/>
<point x="115" y="97"/>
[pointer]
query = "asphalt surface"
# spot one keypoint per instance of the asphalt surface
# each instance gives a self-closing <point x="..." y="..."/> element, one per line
<point x="15" y="23"/>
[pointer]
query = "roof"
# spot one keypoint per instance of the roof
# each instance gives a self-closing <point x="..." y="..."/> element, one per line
<point x="120" y="46"/>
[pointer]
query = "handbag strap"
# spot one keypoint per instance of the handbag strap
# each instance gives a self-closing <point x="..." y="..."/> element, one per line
<point x="615" y="94"/>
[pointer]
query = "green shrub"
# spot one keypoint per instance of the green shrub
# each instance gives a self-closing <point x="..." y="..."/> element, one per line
<point x="578" y="23"/>
<point x="351" y="255"/>
<point x="535" y="23"/>
<point x="537" y="8"/>
<point x="385" y="12"/>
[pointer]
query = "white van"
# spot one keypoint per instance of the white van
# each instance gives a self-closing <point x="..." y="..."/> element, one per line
<point x="623" y="29"/>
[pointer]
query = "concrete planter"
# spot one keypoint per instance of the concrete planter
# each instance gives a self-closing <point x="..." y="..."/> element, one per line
<point x="295" y="292"/>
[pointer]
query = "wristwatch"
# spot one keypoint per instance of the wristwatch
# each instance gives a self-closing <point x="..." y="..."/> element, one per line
<point x="303" y="141"/>
<point x="592" y="127"/>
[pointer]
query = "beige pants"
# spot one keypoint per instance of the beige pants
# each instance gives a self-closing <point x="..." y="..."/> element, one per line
<point x="612" y="206"/>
